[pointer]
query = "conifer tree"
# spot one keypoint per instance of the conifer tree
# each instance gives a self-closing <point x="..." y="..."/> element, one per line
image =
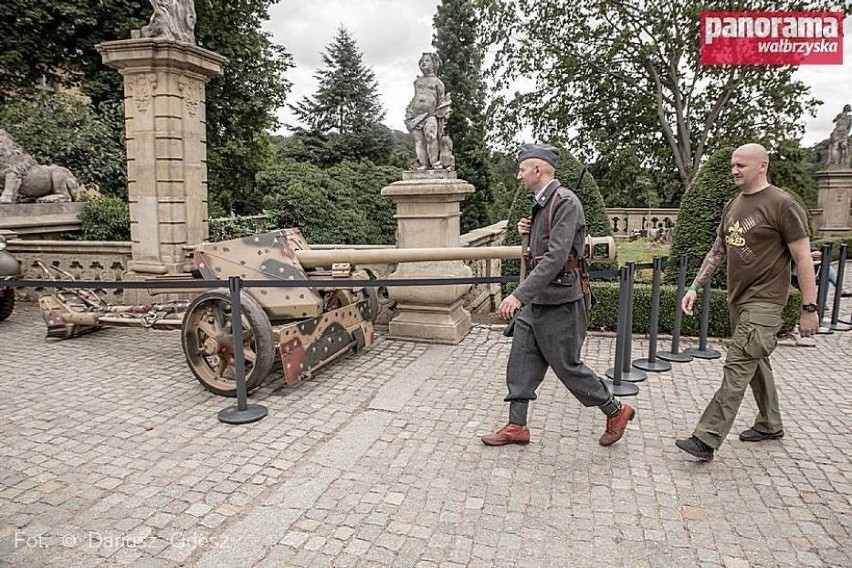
<point x="457" y="44"/>
<point x="347" y="99"/>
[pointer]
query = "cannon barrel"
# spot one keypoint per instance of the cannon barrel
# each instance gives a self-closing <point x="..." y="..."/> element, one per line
<point x="316" y="258"/>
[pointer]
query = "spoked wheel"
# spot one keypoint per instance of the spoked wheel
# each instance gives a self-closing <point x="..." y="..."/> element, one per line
<point x="208" y="342"/>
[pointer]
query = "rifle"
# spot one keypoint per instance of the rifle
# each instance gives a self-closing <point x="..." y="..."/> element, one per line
<point x="509" y="330"/>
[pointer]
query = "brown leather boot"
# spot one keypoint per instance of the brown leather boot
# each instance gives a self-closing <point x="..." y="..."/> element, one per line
<point x="616" y="424"/>
<point x="508" y="434"/>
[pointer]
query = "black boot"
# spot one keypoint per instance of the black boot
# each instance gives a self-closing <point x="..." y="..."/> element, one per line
<point x="695" y="447"/>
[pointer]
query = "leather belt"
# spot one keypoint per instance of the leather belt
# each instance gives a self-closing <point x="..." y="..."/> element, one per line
<point x="570" y="265"/>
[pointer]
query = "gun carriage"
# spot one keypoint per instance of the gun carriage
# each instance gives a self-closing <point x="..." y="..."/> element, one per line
<point x="306" y="327"/>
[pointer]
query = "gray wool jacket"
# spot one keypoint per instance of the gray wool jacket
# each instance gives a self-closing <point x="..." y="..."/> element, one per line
<point x="566" y="237"/>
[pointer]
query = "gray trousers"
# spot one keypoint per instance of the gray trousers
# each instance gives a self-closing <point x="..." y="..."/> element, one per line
<point x="551" y="335"/>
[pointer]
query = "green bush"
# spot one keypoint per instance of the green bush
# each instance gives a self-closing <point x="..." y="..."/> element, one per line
<point x="65" y="130"/>
<point x="605" y="314"/>
<point x="227" y="228"/>
<point x="341" y="204"/>
<point x="700" y="213"/>
<point x="835" y="247"/>
<point x="106" y="219"/>
<point x="568" y="172"/>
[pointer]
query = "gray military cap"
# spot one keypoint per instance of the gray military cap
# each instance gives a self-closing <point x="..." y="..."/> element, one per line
<point x="541" y="151"/>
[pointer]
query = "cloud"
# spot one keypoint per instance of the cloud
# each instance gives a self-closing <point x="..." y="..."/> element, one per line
<point x="831" y="84"/>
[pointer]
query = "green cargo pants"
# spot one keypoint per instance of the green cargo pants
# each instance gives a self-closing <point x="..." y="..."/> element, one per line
<point x="755" y="325"/>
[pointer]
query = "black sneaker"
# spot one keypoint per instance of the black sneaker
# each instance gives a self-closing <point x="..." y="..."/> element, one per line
<point x="752" y="435"/>
<point x="695" y="447"/>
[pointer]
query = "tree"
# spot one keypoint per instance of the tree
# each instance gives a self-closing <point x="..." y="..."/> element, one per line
<point x="375" y="143"/>
<point x="793" y="167"/>
<point x="342" y="204"/>
<point x="347" y="98"/>
<point x="241" y="104"/>
<point x="63" y="129"/>
<point x="612" y="76"/>
<point x="56" y="40"/>
<point x="457" y="43"/>
<point x="700" y="213"/>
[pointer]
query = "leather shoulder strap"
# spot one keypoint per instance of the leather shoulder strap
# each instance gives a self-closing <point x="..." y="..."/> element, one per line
<point x="558" y="194"/>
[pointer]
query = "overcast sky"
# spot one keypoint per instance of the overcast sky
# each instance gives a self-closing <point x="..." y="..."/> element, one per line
<point x="393" y="33"/>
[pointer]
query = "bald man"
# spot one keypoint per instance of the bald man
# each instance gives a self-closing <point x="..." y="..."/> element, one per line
<point x="549" y="307"/>
<point x="762" y="231"/>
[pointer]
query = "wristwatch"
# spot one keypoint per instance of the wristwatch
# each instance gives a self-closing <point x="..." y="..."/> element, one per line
<point x="810" y="308"/>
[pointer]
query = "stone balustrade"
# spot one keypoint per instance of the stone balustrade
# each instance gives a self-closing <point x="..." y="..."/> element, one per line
<point x="108" y="261"/>
<point x="624" y="220"/>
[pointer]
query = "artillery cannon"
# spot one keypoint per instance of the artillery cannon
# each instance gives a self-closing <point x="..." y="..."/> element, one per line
<point x="308" y="326"/>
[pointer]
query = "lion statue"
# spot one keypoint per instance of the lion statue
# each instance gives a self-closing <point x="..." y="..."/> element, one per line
<point x="26" y="180"/>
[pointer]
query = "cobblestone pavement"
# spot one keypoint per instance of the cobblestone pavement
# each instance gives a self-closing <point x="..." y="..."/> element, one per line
<point x="112" y="456"/>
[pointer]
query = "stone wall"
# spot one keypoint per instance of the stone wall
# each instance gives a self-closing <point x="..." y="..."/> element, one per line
<point x="41" y="220"/>
<point x="84" y="260"/>
<point x="108" y="261"/>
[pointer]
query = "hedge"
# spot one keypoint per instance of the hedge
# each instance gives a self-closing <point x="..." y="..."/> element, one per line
<point x="835" y="246"/>
<point x="605" y="315"/>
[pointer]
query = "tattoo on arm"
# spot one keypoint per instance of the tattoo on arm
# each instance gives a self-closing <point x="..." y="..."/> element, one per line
<point x="712" y="261"/>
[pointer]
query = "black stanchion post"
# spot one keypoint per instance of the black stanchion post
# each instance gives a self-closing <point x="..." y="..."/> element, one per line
<point x="652" y="363"/>
<point x="836" y="324"/>
<point x="627" y="372"/>
<point x="675" y="356"/>
<point x="616" y="385"/>
<point x="702" y="352"/>
<point x="242" y="413"/>
<point x="822" y="290"/>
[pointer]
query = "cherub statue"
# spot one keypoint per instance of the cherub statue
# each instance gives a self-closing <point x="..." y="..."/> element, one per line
<point x="426" y="114"/>
<point x="172" y="19"/>
<point x="838" y="141"/>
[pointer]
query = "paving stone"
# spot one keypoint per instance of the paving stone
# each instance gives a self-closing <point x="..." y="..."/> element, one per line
<point x="376" y="462"/>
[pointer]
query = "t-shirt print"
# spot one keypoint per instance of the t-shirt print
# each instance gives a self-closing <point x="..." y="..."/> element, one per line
<point x="735" y="237"/>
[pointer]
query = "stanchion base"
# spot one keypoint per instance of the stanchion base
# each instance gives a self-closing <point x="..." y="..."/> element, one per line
<point x="233" y="415"/>
<point x="824" y="330"/>
<point x="847" y="322"/>
<point x="631" y="375"/>
<point x="703" y="353"/>
<point x="652" y="366"/>
<point x="674" y="357"/>
<point x="840" y="326"/>
<point x="634" y="376"/>
<point x="624" y="389"/>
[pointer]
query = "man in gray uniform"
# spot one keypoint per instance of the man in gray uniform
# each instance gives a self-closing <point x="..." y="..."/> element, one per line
<point x="551" y="325"/>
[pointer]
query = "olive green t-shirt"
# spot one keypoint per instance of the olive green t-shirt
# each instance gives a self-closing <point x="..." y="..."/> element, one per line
<point x="756" y="229"/>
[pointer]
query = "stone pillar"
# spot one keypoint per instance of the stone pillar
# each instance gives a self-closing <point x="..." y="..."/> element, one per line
<point x="835" y="199"/>
<point x="427" y="213"/>
<point x="165" y="123"/>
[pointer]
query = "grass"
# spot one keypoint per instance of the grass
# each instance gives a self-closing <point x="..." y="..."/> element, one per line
<point x="640" y="251"/>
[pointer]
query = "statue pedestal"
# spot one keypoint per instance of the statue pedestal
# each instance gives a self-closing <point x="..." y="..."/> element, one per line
<point x="427" y="213"/>
<point x="165" y="123"/>
<point x="41" y="220"/>
<point x="835" y="199"/>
